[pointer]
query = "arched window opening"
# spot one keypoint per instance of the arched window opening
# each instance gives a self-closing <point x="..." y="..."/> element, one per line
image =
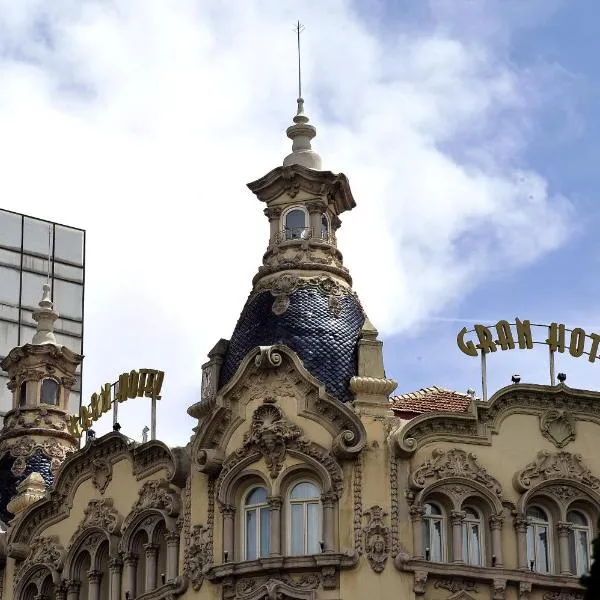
<point x="30" y="592"/>
<point x="102" y="568"/>
<point x="472" y="546"/>
<point x="257" y="528"/>
<point x="50" y="392"/>
<point x="538" y="540"/>
<point x="82" y="575"/>
<point x="23" y="394"/>
<point x="47" y="589"/>
<point x="295" y="224"/>
<point x="161" y="557"/>
<point x="579" y="542"/>
<point x="324" y="227"/>
<point x="138" y="549"/>
<point x="305" y="519"/>
<point x="434" y="533"/>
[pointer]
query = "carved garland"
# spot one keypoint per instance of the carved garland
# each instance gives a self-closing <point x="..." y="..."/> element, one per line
<point x="357" y="499"/>
<point x="394" y="502"/>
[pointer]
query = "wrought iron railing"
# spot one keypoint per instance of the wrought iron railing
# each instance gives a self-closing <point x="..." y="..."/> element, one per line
<point x="302" y="233"/>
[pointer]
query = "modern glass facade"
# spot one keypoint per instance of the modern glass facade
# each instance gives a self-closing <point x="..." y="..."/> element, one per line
<point x="30" y="250"/>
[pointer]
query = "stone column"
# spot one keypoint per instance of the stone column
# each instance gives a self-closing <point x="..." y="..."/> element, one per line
<point x="496" y="522"/>
<point x="274" y="215"/>
<point x="520" y="524"/>
<point x="60" y="592"/>
<point x="94" y="579"/>
<point x="73" y="590"/>
<point x="328" y="501"/>
<point x="151" y="551"/>
<point x="416" y="516"/>
<point x="315" y="211"/>
<point x="228" y="512"/>
<point x="130" y="561"/>
<point x="456" y="518"/>
<point x="172" y="554"/>
<point x="115" y="569"/>
<point x="275" y="525"/>
<point x="564" y="529"/>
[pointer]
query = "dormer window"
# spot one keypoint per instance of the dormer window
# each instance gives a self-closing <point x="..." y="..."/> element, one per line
<point x="295" y="224"/>
<point x="23" y="394"/>
<point x="50" y="392"/>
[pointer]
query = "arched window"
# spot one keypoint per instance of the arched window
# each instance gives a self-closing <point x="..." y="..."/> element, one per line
<point x="50" y="392"/>
<point x="324" y="227"/>
<point x="538" y="540"/>
<point x="434" y="533"/>
<point x="23" y="394"/>
<point x="472" y="542"/>
<point x="295" y="224"/>
<point x="305" y="518"/>
<point x="579" y="542"/>
<point x="257" y="529"/>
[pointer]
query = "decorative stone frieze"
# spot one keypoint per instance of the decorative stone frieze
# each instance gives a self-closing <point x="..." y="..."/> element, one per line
<point x="456" y="584"/>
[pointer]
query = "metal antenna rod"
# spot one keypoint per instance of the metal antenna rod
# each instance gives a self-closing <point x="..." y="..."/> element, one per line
<point x="299" y="29"/>
<point x="49" y="250"/>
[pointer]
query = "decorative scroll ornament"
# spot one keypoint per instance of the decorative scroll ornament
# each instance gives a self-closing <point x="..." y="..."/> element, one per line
<point x="102" y="474"/>
<point x="199" y="555"/>
<point x="558" y="426"/>
<point x="454" y="463"/>
<point x="158" y="494"/>
<point x="101" y="514"/>
<point x="270" y="432"/>
<point x="555" y="465"/>
<point x="377" y="538"/>
<point x="46" y="551"/>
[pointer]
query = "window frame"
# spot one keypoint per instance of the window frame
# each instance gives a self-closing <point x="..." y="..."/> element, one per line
<point x="536" y="524"/>
<point x="58" y="391"/>
<point x="571" y="539"/>
<point x="244" y="530"/>
<point x="466" y="538"/>
<point x="285" y="228"/>
<point x="304" y="502"/>
<point x="427" y="524"/>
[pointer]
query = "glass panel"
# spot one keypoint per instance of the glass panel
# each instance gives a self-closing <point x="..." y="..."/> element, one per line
<point x="305" y="491"/>
<point x="67" y="326"/>
<point x="10" y="229"/>
<point x="250" y="534"/>
<point x="582" y="552"/>
<point x="265" y="531"/>
<point x="68" y="244"/>
<point x="530" y="545"/>
<point x="74" y="402"/>
<point x="8" y="257"/>
<point x="575" y="517"/>
<point x="313" y="528"/>
<point x="9" y="286"/>
<point x="465" y="542"/>
<point x="32" y="289"/>
<point x="295" y="218"/>
<point x="432" y="509"/>
<point x="9" y="337"/>
<point x="35" y="236"/>
<point x="68" y="299"/>
<point x="9" y="313"/>
<point x="49" y="393"/>
<point x="536" y="513"/>
<point x="72" y="343"/>
<point x="5" y="395"/>
<point x="23" y="393"/>
<point x="436" y="540"/>
<point x="297" y="529"/>
<point x="37" y="264"/>
<point x="542" y="550"/>
<point x="68" y="272"/>
<point x="474" y="545"/>
<point x="257" y="496"/>
<point x="27" y="334"/>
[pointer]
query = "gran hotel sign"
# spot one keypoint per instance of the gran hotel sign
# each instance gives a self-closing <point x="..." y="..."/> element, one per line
<point x="482" y="340"/>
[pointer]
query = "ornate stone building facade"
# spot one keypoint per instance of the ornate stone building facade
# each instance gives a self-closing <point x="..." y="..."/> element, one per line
<point x="304" y="478"/>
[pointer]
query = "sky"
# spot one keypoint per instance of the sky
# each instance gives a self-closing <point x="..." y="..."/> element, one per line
<point x="468" y="130"/>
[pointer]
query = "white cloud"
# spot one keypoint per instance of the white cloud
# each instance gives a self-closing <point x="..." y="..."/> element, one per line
<point x="142" y="122"/>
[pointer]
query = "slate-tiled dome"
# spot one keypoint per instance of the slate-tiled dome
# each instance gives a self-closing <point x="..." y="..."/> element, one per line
<point x="326" y="343"/>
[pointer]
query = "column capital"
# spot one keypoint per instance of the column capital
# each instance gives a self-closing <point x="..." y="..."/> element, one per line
<point x="457" y="517"/>
<point x="273" y="212"/>
<point x="496" y="522"/>
<point x="94" y="576"/>
<point x="564" y="528"/>
<point x="316" y="206"/>
<point x="328" y="499"/>
<point x="115" y="563"/>
<point x="73" y="586"/>
<point x="416" y="512"/>
<point x="150" y="549"/>
<point x="131" y="559"/>
<point x="275" y="502"/>
<point x="227" y="510"/>
<point x="520" y="523"/>
<point x="172" y="537"/>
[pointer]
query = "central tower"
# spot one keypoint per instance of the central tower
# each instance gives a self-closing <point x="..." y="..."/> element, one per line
<point x="302" y="295"/>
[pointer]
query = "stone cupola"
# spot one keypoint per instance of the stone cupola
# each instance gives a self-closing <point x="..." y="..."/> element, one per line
<point x="35" y="437"/>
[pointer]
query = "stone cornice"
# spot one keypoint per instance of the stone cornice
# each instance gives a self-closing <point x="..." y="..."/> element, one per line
<point x="294" y="178"/>
<point x="484" y="418"/>
<point x="42" y="350"/>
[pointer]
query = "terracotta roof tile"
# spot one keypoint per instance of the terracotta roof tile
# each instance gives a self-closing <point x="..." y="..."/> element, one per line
<point x="431" y="399"/>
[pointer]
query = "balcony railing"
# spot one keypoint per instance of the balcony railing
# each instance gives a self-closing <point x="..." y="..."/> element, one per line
<point x="302" y="233"/>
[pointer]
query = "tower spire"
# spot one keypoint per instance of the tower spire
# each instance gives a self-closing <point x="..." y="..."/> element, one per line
<point x="301" y="132"/>
<point x="45" y="316"/>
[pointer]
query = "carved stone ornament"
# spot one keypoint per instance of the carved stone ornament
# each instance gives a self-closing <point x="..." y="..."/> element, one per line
<point x="102" y="474"/>
<point x="377" y="538"/>
<point x="558" y="426"/>
<point x="270" y="432"/>
<point x="499" y="589"/>
<point x="268" y="358"/>
<point x="46" y="551"/>
<point x="199" y="555"/>
<point x="524" y="590"/>
<point x="25" y="447"/>
<point x="101" y="514"/>
<point x="453" y="463"/>
<point x="563" y="595"/>
<point x="456" y="584"/>
<point x="555" y="465"/>
<point x="276" y="589"/>
<point x="419" y="582"/>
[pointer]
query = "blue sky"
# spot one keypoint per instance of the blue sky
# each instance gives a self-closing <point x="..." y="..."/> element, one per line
<point x="467" y="129"/>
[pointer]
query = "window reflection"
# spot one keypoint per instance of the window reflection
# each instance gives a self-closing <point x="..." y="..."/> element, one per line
<point x="579" y="542"/>
<point x="538" y="545"/>
<point x="305" y="519"/>
<point x="256" y="524"/>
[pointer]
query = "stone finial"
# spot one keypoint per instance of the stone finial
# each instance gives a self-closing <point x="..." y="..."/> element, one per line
<point x="30" y="490"/>
<point x="301" y="133"/>
<point x="45" y="316"/>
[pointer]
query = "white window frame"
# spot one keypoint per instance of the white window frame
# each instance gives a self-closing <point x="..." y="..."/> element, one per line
<point x="477" y="520"/>
<point x="305" y="502"/>
<point x="589" y="535"/>
<point x="254" y="508"/>
<point x="538" y="524"/>
<point x="58" y="390"/>
<point x="284" y="227"/>
<point x="428" y="521"/>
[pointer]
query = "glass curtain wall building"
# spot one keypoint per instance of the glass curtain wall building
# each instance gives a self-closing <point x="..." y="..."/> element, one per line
<point x="31" y="248"/>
